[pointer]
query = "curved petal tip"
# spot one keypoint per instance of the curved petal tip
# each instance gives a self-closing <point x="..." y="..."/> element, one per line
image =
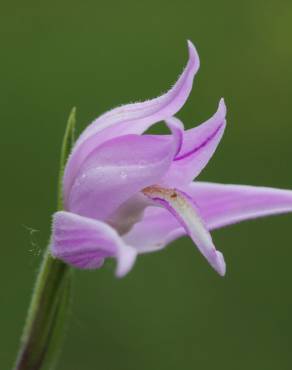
<point x="222" y="107"/>
<point x="218" y="263"/>
<point x="125" y="260"/>
<point x="182" y="207"/>
<point x="193" y="55"/>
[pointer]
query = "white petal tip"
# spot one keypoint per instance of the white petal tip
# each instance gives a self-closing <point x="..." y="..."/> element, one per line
<point x="218" y="263"/>
<point x="222" y="102"/>
<point x="222" y="107"/>
<point x="191" y="46"/>
<point x="125" y="260"/>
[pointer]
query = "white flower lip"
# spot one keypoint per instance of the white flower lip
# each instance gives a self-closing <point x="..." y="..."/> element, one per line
<point x="182" y="207"/>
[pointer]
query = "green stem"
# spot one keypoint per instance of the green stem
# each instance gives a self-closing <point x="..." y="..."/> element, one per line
<point x="44" y="325"/>
<point x="41" y="318"/>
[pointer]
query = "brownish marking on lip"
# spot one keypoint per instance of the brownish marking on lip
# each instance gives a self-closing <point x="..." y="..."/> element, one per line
<point x="156" y="189"/>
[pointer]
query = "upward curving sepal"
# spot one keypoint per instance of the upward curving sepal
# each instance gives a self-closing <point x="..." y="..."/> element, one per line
<point x="199" y="144"/>
<point x="132" y="118"/>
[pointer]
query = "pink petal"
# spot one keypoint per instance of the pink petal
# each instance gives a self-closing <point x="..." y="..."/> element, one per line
<point x="223" y="205"/>
<point x="84" y="243"/>
<point x="199" y="144"/>
<point x="117" y="170"/>
<point x="184" y="210"/>
<point x="157" y="228"/>
<point x="131" y="119"/>
<point x="128" y="214"/>
<point x="219" y="204"/>
<point x="177" y="129"/>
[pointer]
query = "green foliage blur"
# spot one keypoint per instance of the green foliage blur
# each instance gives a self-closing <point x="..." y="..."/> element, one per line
<point x="172" y="311"/>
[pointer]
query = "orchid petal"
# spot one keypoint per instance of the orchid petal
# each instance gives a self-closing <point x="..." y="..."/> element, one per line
<point x="84" y="243"/>
<point x="177" y="129"/>
<point x="223" y="205"/>
<point x="117" y="170"/>
<point x="156" y="229"/>
<point x="132" y="118"/>
<point x="220" y="205"/>
<point x="128" y="214"/>
<point x="182" y="207"/>
<point x="198" y="146"/>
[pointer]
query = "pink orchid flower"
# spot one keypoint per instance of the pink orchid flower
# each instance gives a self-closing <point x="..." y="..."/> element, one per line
<point x="126" y="193"/>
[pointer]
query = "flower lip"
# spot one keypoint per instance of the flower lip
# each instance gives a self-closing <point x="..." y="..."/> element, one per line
<point x="182" y="207"/>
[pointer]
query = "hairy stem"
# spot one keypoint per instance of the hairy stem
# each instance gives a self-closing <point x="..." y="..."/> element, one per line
<point x="46" y="316"/>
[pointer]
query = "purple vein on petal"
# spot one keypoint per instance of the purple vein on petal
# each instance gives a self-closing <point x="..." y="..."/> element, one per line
<point x="201" y="146"/>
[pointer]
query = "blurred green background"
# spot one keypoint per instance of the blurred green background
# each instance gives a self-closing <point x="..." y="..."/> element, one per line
<point x="172" y="311"/>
